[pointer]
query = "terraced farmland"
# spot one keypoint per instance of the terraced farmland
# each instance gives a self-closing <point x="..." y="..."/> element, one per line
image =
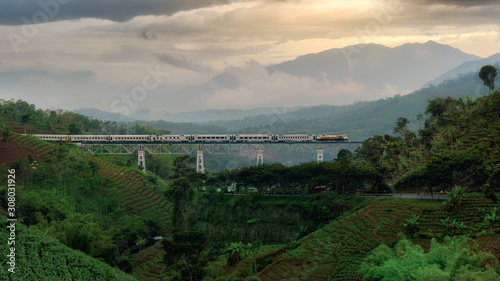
<point x="336" y="251"/>
<point x="148" y="263"/>
<point x="139" y="196"/>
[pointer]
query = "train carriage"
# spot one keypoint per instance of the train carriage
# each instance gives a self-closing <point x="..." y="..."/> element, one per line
<point x="89" y="138"/>
<point x="130" y="138"/>
<point x="210" y="138"/>
<point x="295" y="138"/>
<point x="47" y="137"/>
<point x="252" y="138"/>
<point x="169" y="138"/>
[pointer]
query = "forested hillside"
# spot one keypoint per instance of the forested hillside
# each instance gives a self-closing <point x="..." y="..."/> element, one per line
<point x="23" y="117"/>
<point x="364" y="119"/>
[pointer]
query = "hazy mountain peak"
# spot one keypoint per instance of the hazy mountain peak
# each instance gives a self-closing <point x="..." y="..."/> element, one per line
<point x="406" y="67"/>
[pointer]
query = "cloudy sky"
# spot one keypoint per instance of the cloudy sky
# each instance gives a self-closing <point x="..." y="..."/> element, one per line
<point x="121" y="55"/>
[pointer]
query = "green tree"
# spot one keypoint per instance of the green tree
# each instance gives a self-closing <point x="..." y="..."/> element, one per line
<point x="180" y="190"/>
<point x="345" y="153"/>
<point x="400" y="126"/>
<point x="189" y="252"/>
<point x="372" y="149"/>
<point x="25" y="119"/>
<point x="183" y="166"/>
<point x="74" y="129"/>
<point x="488" y="74"/>
<point x="79" y="232"/>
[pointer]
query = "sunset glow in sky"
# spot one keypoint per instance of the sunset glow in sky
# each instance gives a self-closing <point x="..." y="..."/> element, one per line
<point x="114" y="41"/>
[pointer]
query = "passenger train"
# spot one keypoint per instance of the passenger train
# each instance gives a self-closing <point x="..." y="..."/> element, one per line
<point x="193" y="138"/>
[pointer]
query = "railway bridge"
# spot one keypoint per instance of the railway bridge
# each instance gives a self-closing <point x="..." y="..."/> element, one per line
<point x="259" y="149"/>
<point x="212" y="144"/>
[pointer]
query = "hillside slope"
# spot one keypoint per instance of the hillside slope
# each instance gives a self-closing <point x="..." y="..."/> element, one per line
<point x="40" y="257"/>
<point x="365" y="119"/>
<point x="139" y="196"/>
<point x="336" y="251"/>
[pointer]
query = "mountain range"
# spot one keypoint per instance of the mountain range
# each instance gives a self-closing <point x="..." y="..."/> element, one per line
<point x="374" y="70"/>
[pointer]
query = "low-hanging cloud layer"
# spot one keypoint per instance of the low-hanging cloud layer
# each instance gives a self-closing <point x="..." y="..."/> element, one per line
<point x="165" y="54"/>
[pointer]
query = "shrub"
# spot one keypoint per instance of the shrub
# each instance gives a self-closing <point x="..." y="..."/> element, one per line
<point x="412" y="225"/>
<point x="454" y="259"/>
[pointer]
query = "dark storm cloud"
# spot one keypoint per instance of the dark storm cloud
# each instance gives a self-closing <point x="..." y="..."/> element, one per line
<point x="430" y="13"/>
<point x="181" y="61"/>
<point x="463" y="3"/>
<point x="12" y="12"/>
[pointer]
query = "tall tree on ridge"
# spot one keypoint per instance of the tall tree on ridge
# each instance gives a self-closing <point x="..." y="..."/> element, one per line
<point x="488" y="74"/>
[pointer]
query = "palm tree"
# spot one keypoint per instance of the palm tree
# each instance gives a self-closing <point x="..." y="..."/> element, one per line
<point x="141" y="241"/>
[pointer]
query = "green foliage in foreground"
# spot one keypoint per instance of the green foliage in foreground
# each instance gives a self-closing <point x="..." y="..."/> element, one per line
<point x="40" y="257"/>
<point x="280" y="219"/>
<point x="454" y="259"/>
<point x="189" y="252"/>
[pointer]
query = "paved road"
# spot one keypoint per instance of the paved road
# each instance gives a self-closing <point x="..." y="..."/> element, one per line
<point x="437" y="196"/>
<point x="410" y="196"/>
